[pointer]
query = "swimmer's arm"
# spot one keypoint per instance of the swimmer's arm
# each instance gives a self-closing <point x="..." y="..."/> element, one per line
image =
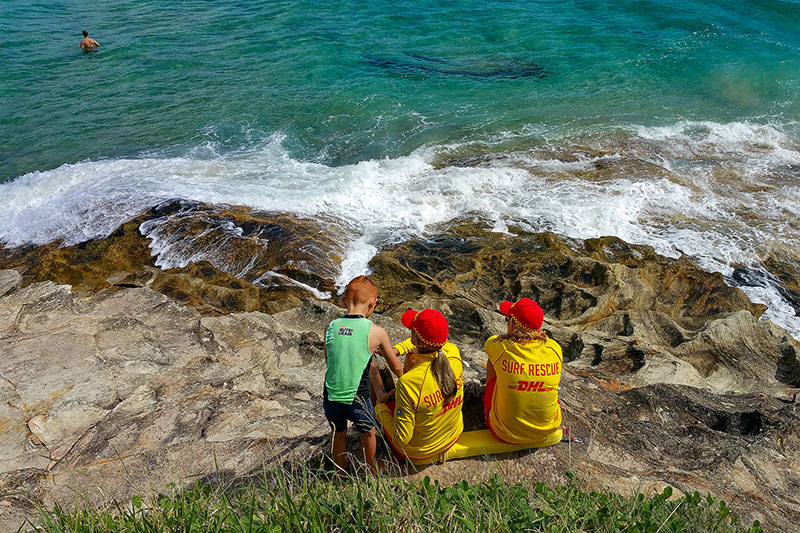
<point x="404" y="347"/>
<point x="408" y="349"/>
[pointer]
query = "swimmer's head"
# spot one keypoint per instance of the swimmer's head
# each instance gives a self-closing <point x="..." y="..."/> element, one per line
<point x="85" y="33"/>
<point x="361" y="290"/>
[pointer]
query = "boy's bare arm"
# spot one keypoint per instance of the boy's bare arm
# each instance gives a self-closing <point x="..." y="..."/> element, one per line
<point x="390" y="353"/>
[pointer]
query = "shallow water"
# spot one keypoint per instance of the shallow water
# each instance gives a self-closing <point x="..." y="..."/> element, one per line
<point x="672" y="124"/>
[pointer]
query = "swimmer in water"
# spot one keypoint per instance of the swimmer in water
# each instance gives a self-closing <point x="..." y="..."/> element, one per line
<point x="88" y="43"/>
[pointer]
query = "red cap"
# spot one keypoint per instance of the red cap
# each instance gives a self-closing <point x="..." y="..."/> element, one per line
<point x="429" y="325"/>
<point x="525" y="312"/>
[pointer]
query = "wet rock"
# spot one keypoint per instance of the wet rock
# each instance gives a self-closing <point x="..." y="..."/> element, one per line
<point x="224" y="259"/>
<point x="640" y="318"/>
<point x="785" y="268"/>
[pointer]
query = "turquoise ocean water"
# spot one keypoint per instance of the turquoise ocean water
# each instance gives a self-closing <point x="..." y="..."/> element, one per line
<point x="667" y="123"/>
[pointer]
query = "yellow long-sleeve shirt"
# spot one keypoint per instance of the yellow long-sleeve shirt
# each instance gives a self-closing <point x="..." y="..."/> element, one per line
<point x="524" y="401"/>
<point x="422" y="426"/>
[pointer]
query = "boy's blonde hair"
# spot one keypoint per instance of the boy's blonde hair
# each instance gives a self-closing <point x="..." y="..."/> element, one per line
<point x="360" y="290"/>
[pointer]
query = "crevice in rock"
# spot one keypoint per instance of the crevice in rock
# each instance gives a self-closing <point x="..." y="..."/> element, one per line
<point x="598" y="354"/>
<point x="16" y="392"/>
<point x="636" y="356"/>
<point x="788" y="369"/>
<point x="127" y="285"/>
<point x="744" y="424"/>
<point x="672" y="333"/>
<point x="573" y="349"/>
<point x="627" y="327"/>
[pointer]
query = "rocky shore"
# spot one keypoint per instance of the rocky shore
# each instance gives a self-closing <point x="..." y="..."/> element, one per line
<point x="119" y="377"/>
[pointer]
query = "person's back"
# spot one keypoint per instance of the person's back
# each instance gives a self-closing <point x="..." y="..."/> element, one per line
<point x="437" y="424"/>
<point x="426" y="418"/>
<point x="521" y="400"/>
<point x="88" y="43"/>
<point x="347" y="345"/>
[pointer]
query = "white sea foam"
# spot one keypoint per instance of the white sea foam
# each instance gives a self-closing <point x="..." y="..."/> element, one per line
<point x="270" y="274"/>
<point x="723" y="199"/>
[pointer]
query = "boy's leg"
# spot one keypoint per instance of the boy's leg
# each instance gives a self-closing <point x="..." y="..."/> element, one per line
<point x="368" y="445"/>
<point x="363" y="417"/>
<point x="339" y="449"/>
<point x="336" y="413"/>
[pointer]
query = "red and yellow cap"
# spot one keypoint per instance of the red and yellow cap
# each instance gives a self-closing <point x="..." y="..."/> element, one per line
<point x="430" y="326"/>
<point x="525" y="312"/>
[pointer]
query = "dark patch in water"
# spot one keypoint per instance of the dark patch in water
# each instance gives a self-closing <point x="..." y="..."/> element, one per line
<point x="430" y="59"/>
<point x="495" y="68"/>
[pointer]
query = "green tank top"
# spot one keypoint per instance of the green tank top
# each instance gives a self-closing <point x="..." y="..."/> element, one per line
<point x="347" y="346"/>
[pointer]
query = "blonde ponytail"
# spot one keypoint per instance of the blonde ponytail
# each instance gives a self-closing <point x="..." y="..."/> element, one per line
<point x="444" y="376"/>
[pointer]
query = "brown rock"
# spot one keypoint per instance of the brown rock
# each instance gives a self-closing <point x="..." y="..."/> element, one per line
<point x="238" y="260"/>
<point x="621" y="311"/>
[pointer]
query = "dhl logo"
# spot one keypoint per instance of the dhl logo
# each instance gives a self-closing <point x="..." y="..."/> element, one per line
<point x="456" y="402"/>
<point x="530" y="386"/>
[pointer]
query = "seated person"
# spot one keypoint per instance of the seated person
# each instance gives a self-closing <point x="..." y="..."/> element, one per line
<point x="425" y="418"/>
<point x="522" y="377"/>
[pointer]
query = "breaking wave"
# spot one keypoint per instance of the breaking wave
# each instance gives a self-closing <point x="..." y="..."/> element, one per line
<point x="727" y="195"/>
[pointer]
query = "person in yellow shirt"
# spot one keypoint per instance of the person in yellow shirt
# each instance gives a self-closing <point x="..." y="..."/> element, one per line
<point x="522" y="378"/>
<point x="425" y="420"/>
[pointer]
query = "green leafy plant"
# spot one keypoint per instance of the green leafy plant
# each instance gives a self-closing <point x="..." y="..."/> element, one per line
<point x="306" y="500"/>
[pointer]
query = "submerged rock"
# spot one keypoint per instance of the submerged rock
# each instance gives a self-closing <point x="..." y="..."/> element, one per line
<point x="485" y="68"/>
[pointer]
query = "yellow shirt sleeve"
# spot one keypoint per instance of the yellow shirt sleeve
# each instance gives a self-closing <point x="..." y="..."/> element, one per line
<point x="404" y="347"/>
<point x="493" y="348"/>
<point x="556" y="348"/>
<point x="404" y="414"/>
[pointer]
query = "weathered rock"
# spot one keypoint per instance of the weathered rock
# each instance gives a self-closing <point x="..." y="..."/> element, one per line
<point x="786" y="268"/>
<point x="620" y="311"/>
<point x="131" y="386"/>
<point x="126" y="392"/>
<point x="113" y="389"/>
<point x="240" y="260"/>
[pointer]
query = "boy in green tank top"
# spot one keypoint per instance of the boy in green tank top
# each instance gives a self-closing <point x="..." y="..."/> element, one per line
<point x="349" y="344"/>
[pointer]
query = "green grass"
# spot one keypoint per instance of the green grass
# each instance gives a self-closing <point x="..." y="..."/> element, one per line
<point x="306" y="500"/>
